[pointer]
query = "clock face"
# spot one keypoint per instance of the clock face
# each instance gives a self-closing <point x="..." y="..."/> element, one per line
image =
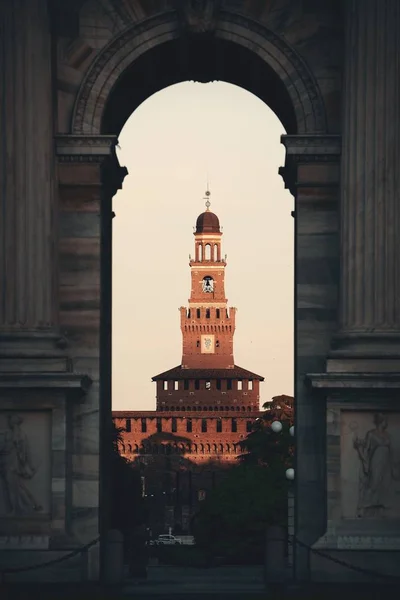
<point x="207" y="344"/>
<point x="208" y="284"/>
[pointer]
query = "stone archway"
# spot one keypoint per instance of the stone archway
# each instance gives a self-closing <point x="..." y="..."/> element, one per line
<point x="56" y="231"/>
<point x="87" y="161"/>
<point x="121" y="53"/>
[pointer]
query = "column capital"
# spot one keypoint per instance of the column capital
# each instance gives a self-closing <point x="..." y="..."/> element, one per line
<point x="319" y="151"/>
<point x="318" y="147"/>
<point x="85" y="148"/>
<point x="94" y="149"/>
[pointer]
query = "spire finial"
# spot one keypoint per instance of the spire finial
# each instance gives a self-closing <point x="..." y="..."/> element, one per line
<point x="207" y="197"/>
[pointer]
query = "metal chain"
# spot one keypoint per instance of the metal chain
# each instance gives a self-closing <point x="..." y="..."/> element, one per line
<point x="53" y="561"/>
<point x="293" y="540"/>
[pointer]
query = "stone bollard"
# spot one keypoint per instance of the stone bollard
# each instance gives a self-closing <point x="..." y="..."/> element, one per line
<point x="275" y="561"/>
<point x="113" y="557"/>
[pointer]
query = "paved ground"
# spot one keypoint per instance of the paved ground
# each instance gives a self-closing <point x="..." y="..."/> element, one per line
<point x="218" y="580"/>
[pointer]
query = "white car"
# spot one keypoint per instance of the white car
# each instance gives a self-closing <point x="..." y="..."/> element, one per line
<point x="166" y="540"/>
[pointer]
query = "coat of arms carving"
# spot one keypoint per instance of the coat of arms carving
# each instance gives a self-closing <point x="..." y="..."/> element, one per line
<point x="199" y="16"/>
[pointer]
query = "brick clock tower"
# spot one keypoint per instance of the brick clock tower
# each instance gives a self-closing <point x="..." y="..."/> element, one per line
<point x="207" y="325"/>
<point x="205" y="405"/>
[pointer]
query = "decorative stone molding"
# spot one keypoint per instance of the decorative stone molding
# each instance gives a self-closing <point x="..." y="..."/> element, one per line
<point x="312" y="145"/>
<point x="24" y="542"/>
<point x="330" y="541"/>
<point x="85" y="148"/>
<point x="198" y="16"/>
<point x="74" y="382"/>
<point x="99" y="149"/>
<point x="122" y="51"/>
<point x="366" y="381"/>
<point x="308" y="149"/>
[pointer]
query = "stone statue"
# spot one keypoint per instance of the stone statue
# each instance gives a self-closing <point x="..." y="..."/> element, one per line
<point x="16" y="468"/>
<point x="378" y="470"/>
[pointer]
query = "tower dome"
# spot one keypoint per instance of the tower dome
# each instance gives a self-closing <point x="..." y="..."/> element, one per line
<point x="208" y="221"/>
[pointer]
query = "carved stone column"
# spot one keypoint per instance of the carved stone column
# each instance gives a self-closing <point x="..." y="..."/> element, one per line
<point x="27" y="227"/>
<point x="370" y="202"/>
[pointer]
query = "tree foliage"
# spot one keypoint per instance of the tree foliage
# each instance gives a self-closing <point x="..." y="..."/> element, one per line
<point x="233" y="518"/>
<point x="127" y="507"/>
<point x="263" y="446"/>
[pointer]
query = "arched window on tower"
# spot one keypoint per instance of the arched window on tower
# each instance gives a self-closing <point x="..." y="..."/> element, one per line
<point x="215" y="252"/>
<point x="200" y="251"/>
<point x="207" y="252"/>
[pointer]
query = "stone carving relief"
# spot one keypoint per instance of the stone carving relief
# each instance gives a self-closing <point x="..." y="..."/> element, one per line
<point x="24" y="463"/>
<point x="199" y="16"/>
<point x="370" y="465"/>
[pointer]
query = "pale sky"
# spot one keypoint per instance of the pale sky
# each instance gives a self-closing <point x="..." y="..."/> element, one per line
<point x="169" y="145"/>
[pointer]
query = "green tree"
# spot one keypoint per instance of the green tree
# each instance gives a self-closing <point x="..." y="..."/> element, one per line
<point x="265" y="447"/>
<point x="233" y="518"/>
<point x="127" y="506"/>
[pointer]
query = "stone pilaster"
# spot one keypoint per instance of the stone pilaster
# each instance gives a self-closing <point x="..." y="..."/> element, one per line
<point x="89" y="176"/>
<point x="370" y="203"/>
<point x="312" y="173"/>
<point x="27" y="227"/>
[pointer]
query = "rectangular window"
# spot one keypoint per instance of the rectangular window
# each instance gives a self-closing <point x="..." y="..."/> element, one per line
<point x="196" y="384"/>
<point x="249" y="426"/>
<point x="198" y="344"/>
<point x="229" y="384"/>
<point x="218" y="384"/>
<point x="198" y="313"/>
<point x="207" y="313"/>
<point x="240" y="385"/>
<point x="176" y="385"/>
<point x="165" y="386"/>
<point x="250" y="384"/>
<point x="208" y="385"/>
<point x="173" y="425"/>
<point x="204" y="426"/>
<point x="219" y="426"/>
<point x="189" y="425"/>
<point x="128" y="425"/>
<point x="218" y="313"/>
<point x="186" y="384"/>
<point x="144" y="425"/>
<point x="234" y="426"/>
<point x="159" y="425"/>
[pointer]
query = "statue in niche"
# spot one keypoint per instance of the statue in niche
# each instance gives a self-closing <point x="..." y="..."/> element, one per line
<point x="16" y="467"/>
<point x="377" y="469"/>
